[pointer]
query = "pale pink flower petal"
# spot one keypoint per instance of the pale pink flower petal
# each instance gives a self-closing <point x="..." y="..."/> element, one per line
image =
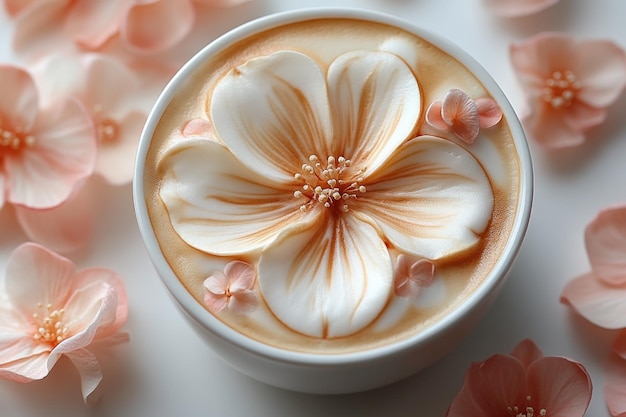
<point x="605" y="239"/>
<point x="515" y="8"/>
<point x="560" y="386"/>
<point x="37" y="21"/>
<point x="601" y="67"/>
<point x="527" y="352"/>
<point x="92" y="23"/>
<point x="156" y="25"/>
<point x="19" y="101"/>
<point x="215" y="302"/>
<point x="243" y="302"/>
<point x="217" y="283"/>
<point x="411" y="275"/>
<point x="460" y="113"/>
<point x="489" y="113"/>
<point x="198" y="127"/>
<point x="241" y="276"/>
<point x="601" y="304"/>
<point x="434" y="116"/>
<point x="64" y="228"/>
<point x="490" y="387"/>
<point x="15" y="7"/>
<point x="569" y="83"/>
<point x="62" y="154"/>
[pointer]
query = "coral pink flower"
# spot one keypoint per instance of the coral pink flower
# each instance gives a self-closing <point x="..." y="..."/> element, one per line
<point x="50" y="309"/>
<point x="108" y="90"/>
<point x="412" y="275"/>
<point x="461" y="115"/>
<point x="523" y="384"/>
<point x="231" y="289"/>
<point x="44" y="153"/>
<point x="514" y="8"/>
<point x="600" y="295"/>
<point x="569" y="84"/>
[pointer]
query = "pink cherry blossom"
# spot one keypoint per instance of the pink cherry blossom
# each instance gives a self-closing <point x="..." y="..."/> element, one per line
<point x="515" y="8"/>
<point x="44" y="152"/>
<point x="523" y="384"/>
<point x="411" y="275"/>
<point x="569" y="85"/>
<point x="50" y="309"/>
<point x="458" y="113"/>
<point x="232" y="289"/>
<point x="109" y="91"/>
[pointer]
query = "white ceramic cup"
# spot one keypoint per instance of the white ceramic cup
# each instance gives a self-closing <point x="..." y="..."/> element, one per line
<point x="347" y="372"/>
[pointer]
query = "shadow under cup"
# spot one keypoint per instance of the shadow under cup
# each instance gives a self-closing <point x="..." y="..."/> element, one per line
<point x="424" y="326"/>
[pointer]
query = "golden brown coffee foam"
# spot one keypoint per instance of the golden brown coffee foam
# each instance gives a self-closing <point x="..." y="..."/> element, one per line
<point x="436" y="71"/>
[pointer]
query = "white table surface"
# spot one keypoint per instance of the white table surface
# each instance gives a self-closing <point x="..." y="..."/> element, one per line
<point x="166" y="370"/>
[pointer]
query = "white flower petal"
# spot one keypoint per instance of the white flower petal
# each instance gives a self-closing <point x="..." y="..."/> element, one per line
<point x="433" y="198"/>
<point x="328" y="280"/>
<point x="218" y="205"/>
<point x="375" y="103"/>
<point x="272" y="113"/>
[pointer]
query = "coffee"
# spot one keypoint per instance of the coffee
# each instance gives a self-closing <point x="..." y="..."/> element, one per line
<point x="328" y="185"/>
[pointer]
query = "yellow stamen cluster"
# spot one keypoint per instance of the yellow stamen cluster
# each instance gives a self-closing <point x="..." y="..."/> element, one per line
<point x="50" y="326"/>
<point x="560" y="89"/>
<point x="107" y="130"/>
<point x="528" y="411"/>
<point x="326" y="183"/>
<point x="13" y="140"/>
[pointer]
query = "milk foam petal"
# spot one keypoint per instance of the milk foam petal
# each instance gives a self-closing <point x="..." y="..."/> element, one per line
<point x="375" y="103"/>
<point x="218" y="205"/>
<point x="272" y="112"/>
<point x="432" y="199"/>
<point x="328" y="280"/>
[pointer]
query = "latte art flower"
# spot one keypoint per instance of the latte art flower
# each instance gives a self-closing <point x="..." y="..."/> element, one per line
<point x="316" y="175"/>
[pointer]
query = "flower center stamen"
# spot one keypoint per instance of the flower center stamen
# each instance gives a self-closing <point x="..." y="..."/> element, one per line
<point x="50" y="326"/>
<point x="560" y="89"/>
<point x="107" y="130"/>
<point x="15" y="141"/>
<point x="329" y="183"/>
<point x="527" y="411"/>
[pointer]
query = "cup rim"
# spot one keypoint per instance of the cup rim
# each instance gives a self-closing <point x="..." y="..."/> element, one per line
<point x="192" y="307"/>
